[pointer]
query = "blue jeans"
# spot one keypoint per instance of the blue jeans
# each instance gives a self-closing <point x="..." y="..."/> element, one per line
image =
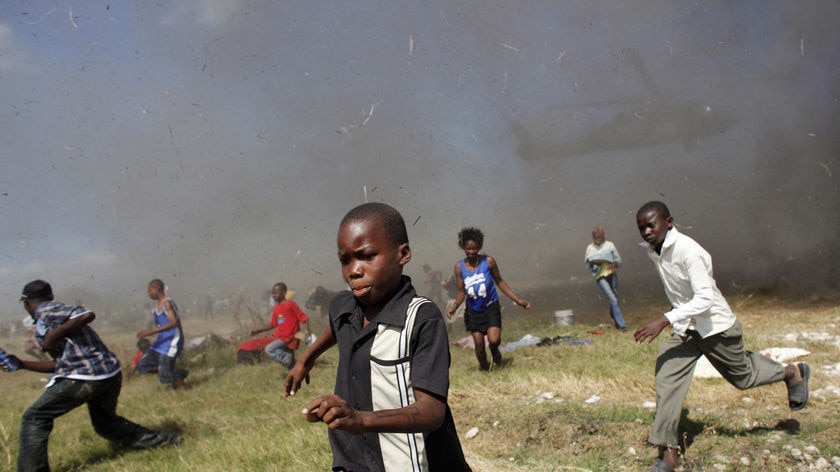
<point x="281" y="353"/>
<point x="67" y="394"/>
<point x="167" y="371"/>
<point x="609" y="285"/>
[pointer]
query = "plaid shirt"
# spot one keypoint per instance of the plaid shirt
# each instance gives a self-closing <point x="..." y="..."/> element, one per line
<point x="84" y="356"/>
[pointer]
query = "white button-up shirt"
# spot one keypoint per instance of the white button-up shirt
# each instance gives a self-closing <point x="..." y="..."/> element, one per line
<point x="686" y="272"/>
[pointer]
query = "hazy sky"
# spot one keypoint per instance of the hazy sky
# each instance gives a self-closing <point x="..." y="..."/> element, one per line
<point x="216" y="143"/>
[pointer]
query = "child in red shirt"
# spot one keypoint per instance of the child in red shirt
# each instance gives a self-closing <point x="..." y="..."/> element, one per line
<point x="286" y="318"/>
<point x="143" y="345"/>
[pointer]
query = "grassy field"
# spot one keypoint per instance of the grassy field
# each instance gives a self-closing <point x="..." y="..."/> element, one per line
<point x="579" y="406"/>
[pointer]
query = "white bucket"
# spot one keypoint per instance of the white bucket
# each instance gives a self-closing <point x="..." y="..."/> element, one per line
<point x="564" y="317"/>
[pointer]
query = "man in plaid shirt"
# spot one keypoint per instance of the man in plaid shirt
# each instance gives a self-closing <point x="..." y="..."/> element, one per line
<point x="83" y="371"/>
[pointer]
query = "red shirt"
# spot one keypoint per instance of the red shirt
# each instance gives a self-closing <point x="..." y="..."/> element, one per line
<point x="136" y="359"/>
<point x="286" y="317"/>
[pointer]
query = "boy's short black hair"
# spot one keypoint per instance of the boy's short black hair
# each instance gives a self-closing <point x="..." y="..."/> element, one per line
<point x="656" y="206"/>
<point x="158" y="284"/>
<point x="470" y="234"/>
<point x="390" y="219"/>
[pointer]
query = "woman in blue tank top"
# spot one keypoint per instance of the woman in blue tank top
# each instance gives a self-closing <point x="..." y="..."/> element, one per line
<point x="478" y="276"/>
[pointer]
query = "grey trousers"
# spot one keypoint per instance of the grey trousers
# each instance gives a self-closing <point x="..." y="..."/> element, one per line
<point x="675" y="364"/>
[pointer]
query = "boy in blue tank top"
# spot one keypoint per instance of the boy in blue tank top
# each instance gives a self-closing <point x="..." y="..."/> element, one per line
<point x="477" y="276"/>
<point x="169" y="343"/>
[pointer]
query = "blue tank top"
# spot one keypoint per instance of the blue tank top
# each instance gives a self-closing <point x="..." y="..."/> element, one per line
<point x="169" y="342"/>
<point x="479" y="285"/>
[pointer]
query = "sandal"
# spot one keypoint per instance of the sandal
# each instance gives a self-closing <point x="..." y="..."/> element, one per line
<point x="798" y="394"/>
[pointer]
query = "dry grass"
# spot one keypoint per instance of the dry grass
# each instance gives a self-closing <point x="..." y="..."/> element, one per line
<point x="531" y="414"/>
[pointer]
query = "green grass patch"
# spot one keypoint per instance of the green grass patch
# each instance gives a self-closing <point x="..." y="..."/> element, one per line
<point x="548" y="408"/>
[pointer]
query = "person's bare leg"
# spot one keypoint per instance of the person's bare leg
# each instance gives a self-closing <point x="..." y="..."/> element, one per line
<point x="480" y="351"/>
<point x="494" y="338"/>
<point x="792" y="375"/>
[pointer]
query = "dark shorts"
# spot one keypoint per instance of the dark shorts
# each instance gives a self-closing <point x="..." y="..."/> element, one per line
<point x="481" y="321"/>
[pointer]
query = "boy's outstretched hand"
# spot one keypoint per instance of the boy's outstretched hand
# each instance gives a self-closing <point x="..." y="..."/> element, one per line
<point x="299" y="372"/>
<point x="650" y="330"/>
<point x="336" y="413"/>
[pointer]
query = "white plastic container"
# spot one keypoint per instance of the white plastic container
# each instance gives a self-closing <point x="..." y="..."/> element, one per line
<point x="564" y="317"/>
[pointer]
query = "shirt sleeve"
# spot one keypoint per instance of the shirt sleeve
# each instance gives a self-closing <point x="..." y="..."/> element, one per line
<point x="299" y="314"/>
<point x="51" y="319"/>
<point x="430" y="352"/>
<point x="78" y="311"/>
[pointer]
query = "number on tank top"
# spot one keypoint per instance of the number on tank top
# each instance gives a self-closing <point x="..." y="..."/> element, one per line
<point x="482" y="291"/>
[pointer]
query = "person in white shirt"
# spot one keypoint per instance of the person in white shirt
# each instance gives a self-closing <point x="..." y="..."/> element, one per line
<point x="703" y="324"/>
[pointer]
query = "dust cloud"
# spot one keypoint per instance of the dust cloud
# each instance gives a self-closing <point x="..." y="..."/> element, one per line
<point x="216" y="144"/>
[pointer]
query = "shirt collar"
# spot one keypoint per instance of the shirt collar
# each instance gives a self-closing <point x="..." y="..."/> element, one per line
<point x="670" y="239"/>
<point x="393" y="313"/>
